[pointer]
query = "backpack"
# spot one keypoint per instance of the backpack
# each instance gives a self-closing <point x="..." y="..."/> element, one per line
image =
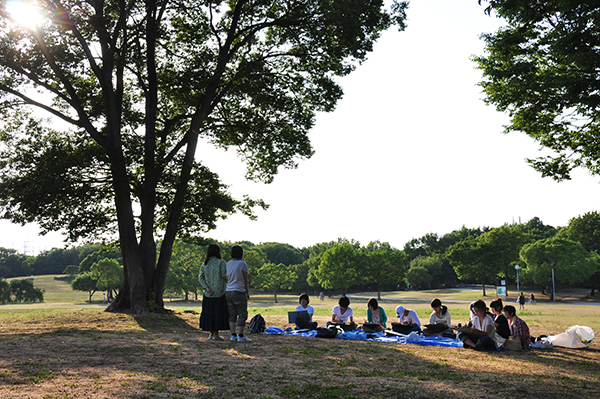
<point x="257" y="325"/>
<point x="324" y="332"/>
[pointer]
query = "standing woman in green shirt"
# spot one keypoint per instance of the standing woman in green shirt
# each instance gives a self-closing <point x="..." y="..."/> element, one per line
<point x="213" y="280"/>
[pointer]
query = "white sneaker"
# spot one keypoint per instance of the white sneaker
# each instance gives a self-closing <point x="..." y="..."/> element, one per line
<point x="243" y="339"/>
<point x="233" y="338"/>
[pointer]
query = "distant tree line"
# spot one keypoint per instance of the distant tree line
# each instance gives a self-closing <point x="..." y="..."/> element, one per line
<point x="480" y="255"/>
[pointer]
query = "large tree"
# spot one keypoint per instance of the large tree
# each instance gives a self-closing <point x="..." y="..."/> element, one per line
<point x="572" y="263"/>
<point x="139" y="86"/>
<point x="272" y="277"/>
<point x="543" y="68"/>
<point x="489" y="256"/>
<point x="585" y="229"/>
<point x="339" y="267"/>
<point x="382" y="264"/>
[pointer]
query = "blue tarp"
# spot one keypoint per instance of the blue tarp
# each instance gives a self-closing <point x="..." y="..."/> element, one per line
<point x="359" y="335"/>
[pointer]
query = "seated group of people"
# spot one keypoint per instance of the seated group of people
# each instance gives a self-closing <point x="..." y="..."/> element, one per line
<point x="488" y="331"/>
<point x="484" y="331"/>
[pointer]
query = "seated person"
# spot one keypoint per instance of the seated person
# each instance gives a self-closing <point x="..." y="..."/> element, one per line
<point x="483" y="332"/>
<point x="375" y="316"/>
<point x="408" y="321"/>
<point x="472" y="313"/>
<point x="342" y="315"/>
<point x="500" y="321"/>
<point x="518" y="328"/>
<point x="302" y="323"/>
<point x="439" y="316"/>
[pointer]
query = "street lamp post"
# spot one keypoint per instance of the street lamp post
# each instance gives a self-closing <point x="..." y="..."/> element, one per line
<point x="517" y="267"/>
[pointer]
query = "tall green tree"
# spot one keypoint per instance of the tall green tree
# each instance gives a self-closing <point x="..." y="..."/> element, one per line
<point x="572" y="263"/>
<point x="14" y="264"/>
<point x="489" y="256"/>
<point x="542" y="68"/>
<point x="585" y="229"/>
<point x="424" y="269"/>
<point x="382" y="264"/>
<point x="418" y="276"/>
<point x="142" y="86"/>
<point x="272" y="277"/>
<point x="108" y="275"/>
<point x="24" y="291"/>
<point x="185" y="268"/>
<point x="86" y="283"/>
<point x="339" y="267"/>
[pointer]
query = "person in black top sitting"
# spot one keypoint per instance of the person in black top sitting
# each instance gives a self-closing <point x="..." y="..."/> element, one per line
<point x="502" y="328"/>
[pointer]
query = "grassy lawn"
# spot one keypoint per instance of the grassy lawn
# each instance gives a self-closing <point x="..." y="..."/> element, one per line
<point x="62" y="349"/>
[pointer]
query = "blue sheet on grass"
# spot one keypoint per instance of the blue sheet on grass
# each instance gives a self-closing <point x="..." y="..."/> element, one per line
<point x="359" y="335"/>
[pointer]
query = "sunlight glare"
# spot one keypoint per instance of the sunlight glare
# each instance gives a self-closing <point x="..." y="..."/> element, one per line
<point x="25" y="13"/>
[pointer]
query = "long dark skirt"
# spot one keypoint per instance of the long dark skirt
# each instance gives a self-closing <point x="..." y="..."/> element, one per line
<point x="214" y="316"/>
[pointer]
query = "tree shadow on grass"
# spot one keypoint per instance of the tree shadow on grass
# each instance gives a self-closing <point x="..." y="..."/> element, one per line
<point x="168" y="358"/>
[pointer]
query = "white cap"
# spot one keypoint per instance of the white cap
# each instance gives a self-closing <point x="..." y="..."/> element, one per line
<point x="400" y="311"/>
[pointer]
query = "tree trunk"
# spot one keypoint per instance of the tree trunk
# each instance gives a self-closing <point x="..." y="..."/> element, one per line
<point x="483" y="287"/>
<point x="275" y="294"/>
<point x="378" y="292"/>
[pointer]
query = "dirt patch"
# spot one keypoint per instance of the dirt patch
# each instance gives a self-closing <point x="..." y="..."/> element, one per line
<point x="101" y="355"/>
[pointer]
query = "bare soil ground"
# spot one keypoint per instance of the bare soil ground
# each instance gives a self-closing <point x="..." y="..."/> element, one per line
<point x="91" y="354"/>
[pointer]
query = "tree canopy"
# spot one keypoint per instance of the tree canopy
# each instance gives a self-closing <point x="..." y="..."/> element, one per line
<point x="542" y="68"/>
<point x="572" y="263"/>
<point x="140" y="86"/>
<point x="272" y="277"/>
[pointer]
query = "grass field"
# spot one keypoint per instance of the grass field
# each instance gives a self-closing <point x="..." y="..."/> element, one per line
<point x="71" y="349"/>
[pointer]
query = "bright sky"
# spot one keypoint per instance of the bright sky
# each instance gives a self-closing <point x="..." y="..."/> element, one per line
<point x="411" y="149"/>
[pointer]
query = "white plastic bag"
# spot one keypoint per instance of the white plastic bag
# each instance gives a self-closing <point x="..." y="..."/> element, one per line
<point x="574" y="337"/>
<point x="413" y="337"/>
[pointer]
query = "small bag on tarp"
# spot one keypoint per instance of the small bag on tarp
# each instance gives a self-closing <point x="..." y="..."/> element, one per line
<point x="324" y="332"/>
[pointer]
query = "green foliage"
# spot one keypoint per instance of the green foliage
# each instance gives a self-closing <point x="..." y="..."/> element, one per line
<point x="315" y="254"/>
<point x="20" y="291"/>
<point x="55" y="260"/>
<point x="382" y="265"/>
<point x="585" y="230"/>
<point x="71" y="270"/>
<point x="273" y="277"/>
<point x="535" y="230"/>
<point x="338" y="268"/>
<point x="418" y="276"/>
<point x="86" y="283"/>
<point x="13" y="264"/>
<point x="185" y="268"/>
<point x="573" y="264"/>
<point x="281" y="253"/>
<point x="108" y="274"/>
<point x="4" y="291"/>
<point x="431" y="244"/>
<point x="542" y="68"/>
<point x="101" y="253"/>
<point x="255" y="259"/>
<point x="424" y="269"/>
<point x="171" y="76"/>
<point x="489" y="256"/>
